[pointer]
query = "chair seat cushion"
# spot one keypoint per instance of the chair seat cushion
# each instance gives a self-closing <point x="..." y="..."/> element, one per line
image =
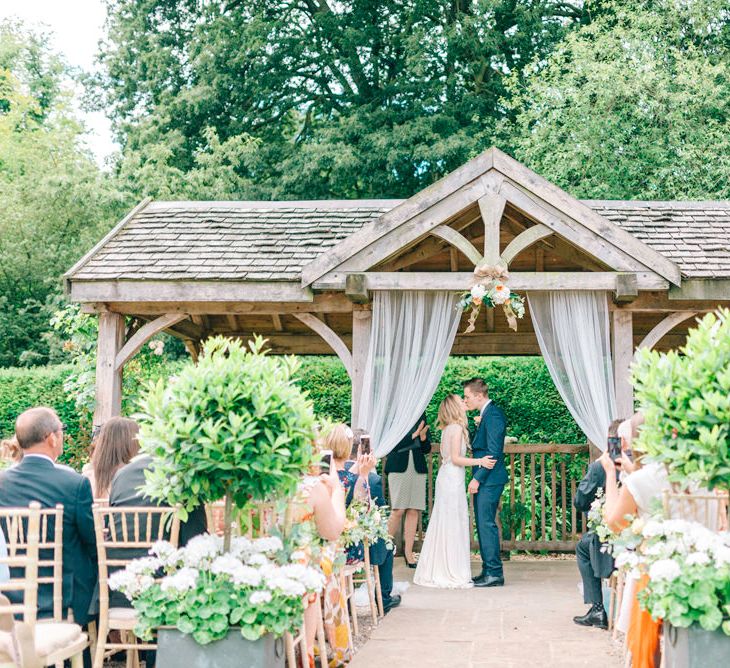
<point x="53" y="636"/>
<point x="122" y="614"/>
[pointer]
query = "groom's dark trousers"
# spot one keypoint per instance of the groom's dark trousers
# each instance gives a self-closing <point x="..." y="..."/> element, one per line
<point x="489" y="440"/>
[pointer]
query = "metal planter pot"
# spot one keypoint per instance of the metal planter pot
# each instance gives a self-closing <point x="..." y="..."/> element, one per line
<point x="695" y="648"/>
<point x="175" y="649"/>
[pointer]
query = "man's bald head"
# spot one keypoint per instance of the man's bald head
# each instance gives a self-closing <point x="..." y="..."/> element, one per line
<point x="35" y="425"/>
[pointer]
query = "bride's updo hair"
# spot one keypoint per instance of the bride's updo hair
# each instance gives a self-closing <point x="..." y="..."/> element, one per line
<point x="452" y="411"/>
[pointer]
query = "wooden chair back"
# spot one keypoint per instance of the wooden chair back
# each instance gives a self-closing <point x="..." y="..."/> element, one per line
<point x="21" y="527"/>
<point x="254" y="523"/>
<point x="128" y="533"/>
<point x="707" y="508"/>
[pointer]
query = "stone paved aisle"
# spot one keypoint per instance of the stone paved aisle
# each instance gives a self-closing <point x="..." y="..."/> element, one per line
<point x="526" y="623"/>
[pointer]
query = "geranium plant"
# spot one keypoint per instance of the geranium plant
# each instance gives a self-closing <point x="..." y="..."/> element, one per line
<point x="205" y="590"/>
<point x="685" y="399"/>
<point x="689" y="574"/>
<point x="234" y="426"/>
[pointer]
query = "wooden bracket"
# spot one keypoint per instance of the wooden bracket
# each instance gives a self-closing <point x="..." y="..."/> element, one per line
<point x="144" y="334"/>
<point x="356" y="290"/>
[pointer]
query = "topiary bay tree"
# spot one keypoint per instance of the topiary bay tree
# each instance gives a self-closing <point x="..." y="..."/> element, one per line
<point x="685" y="399"/>
<point x="233" y="426"/>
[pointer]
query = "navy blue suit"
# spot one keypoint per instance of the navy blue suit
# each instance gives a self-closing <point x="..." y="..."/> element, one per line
<point x="38" y="479"/>
<point x="489" y="440"/>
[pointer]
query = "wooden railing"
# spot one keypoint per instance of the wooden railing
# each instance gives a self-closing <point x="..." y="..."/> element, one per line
<point x="537" y="510"/>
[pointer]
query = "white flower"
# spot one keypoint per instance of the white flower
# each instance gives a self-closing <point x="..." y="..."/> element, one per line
<point x="629" y="559"/>
<point x="499" y="293"/>
<point x="268" y="544"/>
<point x="241" y="547"/>
<point x="697" y="558"/>
<point x="286" y="585"/>
<point x="201" y="550"/>
<point x="226" y="564"/>
<point x="257" y="560"/>
<point x="247" y="576"/>
<point x="665" y="569"/>
<point x="144" y="566"/>
<point x="130" y="584"/>
<point x="166" y="552"/>
<point x="722" y="555"/>
<point x="478" y="291"/>
<point x="182" y="581"/>
<point x="260" y="597"/>
<point x="652" y="528"/>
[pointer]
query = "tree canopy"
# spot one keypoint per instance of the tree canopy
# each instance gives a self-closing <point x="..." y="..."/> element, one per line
<point x="315" y="98"/>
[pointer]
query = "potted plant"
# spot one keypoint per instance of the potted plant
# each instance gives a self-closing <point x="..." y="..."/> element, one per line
<point x="235" y="426"/>
<point x="689" y="588"/>
<point x="207" y="594"/>
<point x="685" y="399"/>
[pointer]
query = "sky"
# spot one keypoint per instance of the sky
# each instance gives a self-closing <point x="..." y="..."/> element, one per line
<point x="75" y="26"/>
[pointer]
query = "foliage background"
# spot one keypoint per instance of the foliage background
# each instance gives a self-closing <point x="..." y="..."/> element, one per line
<point x="522" y="386"/>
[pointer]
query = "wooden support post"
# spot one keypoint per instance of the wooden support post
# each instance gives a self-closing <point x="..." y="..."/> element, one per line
<point x="108" y="377"/>
<point x="623" y="353"/>
<point x="361" y="324"/>
<point x="491" y="207"/>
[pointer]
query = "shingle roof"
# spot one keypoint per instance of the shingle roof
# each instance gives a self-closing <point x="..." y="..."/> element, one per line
<point x="272" y="241"/>
<point x="694" y="235"/>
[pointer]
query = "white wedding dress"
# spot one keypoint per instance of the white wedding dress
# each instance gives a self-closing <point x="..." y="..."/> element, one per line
<point x="445" y="556"/>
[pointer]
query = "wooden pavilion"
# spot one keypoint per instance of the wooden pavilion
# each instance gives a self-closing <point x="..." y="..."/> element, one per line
<point x="301" y="273"/>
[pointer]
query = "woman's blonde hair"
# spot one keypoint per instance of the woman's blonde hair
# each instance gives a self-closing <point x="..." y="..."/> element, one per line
<point x="452" y="411"/>
<point x="339" y="440"/>
<point x="10" y="450"/>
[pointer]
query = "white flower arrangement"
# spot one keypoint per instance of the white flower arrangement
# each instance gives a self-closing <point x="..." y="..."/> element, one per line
<point x="490" y="289"/>
<point x="203" y="591"/>
<point x="689" y="571"/>
<point x="365" y="521"/>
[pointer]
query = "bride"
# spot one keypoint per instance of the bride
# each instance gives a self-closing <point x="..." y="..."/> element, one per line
<point x="445" y="556"/>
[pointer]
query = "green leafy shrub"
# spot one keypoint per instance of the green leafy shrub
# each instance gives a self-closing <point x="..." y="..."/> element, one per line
<point x="235" y="425"/>
<point x="685" y="399"/>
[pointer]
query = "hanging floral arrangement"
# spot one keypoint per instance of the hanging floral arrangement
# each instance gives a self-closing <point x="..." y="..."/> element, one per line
<point x="490" y="289"/>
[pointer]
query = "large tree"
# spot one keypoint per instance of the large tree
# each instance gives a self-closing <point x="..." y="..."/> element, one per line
<point x="54" y="200"/>
<point x="635" y="105"/>
<point x="314" y="98"/>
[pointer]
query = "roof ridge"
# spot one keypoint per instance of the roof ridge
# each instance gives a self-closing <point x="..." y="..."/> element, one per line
<point x="275" y="204"/>
<point x="659" y="203"/>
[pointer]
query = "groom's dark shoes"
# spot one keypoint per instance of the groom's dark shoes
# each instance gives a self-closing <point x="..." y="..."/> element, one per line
<point x="393" y="601"/>
<point x="488" y="581"/>
<point x="596" y="616"/>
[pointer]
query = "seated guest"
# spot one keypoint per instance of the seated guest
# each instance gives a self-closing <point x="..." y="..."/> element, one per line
<point x="114" y="447"/>
<point x="39" y="433"/>
<point x="355" y="481"/>
<point x="127" y="489"/>
<point x="406" y="468"/>
<point x="593" y="563"/>
<point x="380" y="555"/>
<point x="319" y="509"/>
<point x="10" y="452"/>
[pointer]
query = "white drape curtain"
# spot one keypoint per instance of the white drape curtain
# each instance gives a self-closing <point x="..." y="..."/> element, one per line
<point x="573" y="331"/>
<point x="410" y="342"/>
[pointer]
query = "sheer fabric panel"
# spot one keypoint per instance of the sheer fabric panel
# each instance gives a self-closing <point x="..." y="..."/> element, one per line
<point x="573" y="331"/>
<point x="410" y="342"/>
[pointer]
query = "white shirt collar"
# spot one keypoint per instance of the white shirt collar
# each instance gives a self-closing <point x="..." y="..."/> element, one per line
<point x="481" y="412"/>
<point x="35" y="454"/>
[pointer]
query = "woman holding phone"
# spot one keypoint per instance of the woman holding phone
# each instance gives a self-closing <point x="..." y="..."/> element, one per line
<point x="406" y="470"/>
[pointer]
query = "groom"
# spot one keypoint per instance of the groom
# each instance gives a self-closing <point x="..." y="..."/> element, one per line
<point x="487" y="483"/>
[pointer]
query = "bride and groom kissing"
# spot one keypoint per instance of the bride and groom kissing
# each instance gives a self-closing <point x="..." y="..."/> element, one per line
<point x="445" y="559"/>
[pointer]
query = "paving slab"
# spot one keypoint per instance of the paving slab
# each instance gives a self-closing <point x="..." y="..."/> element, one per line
<point x="528" y="622"/>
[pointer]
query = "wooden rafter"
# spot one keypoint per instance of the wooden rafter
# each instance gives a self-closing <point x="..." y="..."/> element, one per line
<point x="664" y="327"/>
<point x="458" y="241"/>
<point x="330" y="336"/>
<point x="524" y="240"/>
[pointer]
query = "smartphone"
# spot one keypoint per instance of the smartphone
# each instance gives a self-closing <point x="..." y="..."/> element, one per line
<point x="365" y="444"/>
<point x="614" y="448"/>
<point x="325" y="463"/>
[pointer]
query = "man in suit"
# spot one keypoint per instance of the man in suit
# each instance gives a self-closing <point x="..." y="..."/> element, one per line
<point x="593" y="563"/>
<point x="487" y="482"/>
<point x="37" y="477"/>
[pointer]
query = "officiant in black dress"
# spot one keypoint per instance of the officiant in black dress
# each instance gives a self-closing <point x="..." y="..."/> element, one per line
<point x="406" y="469"/>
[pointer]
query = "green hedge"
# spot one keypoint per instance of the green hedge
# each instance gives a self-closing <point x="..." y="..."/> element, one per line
<point x="520" y="385"/>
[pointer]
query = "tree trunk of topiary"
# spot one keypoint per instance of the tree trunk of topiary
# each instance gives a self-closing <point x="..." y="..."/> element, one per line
<point x="227" y="521"/>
